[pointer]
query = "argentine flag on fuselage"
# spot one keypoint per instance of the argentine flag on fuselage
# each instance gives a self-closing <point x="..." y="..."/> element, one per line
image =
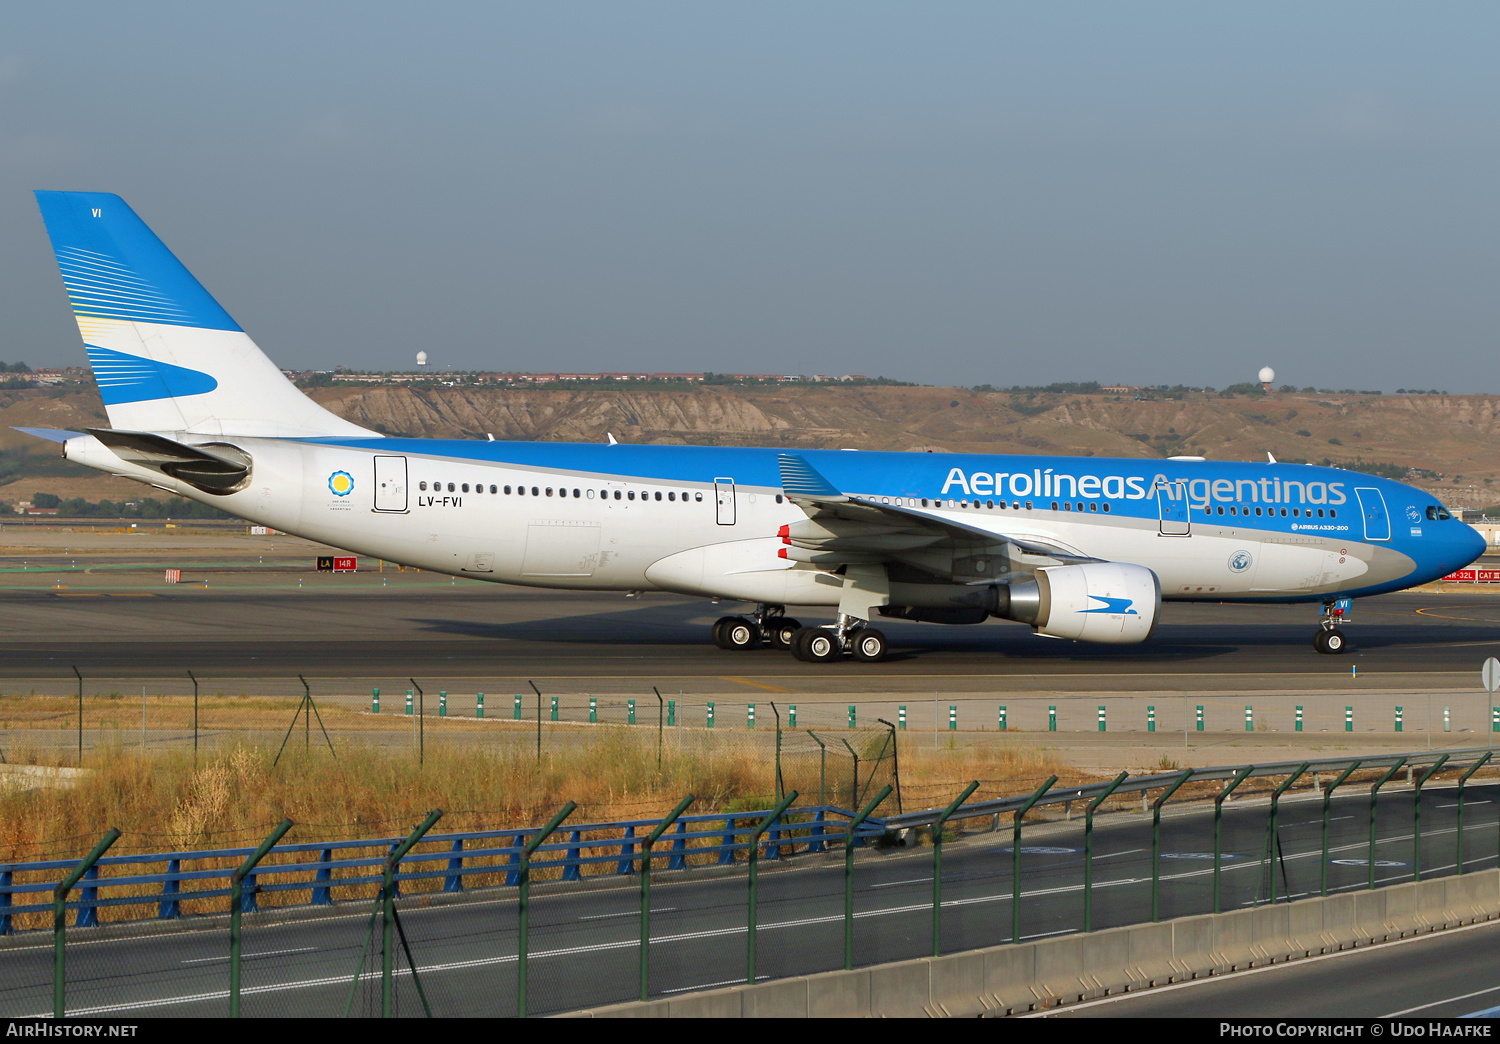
<point x="166" y="355"/>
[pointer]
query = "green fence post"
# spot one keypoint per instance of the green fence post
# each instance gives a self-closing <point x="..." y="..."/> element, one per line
<point x="1103" y="724"/>
<point x="710" y="713"/>
<point x="442" y="704"/>
<point x="1219" y="799"/>
<point x="953" y="717"/>
<point x="1374" y="796"/>
<point x="1002" y="717"/>
<point x="554" y="708"/>
<point x="630" y="712"/>
<point x="1249" y="718"/>
<point x="1327" y="806"/>
<point x="389" y="924"/>
<point x="852" y="717"/>
<point x="1398" y="719"/>
<point x="1200" y="717"/>
<point x="236" y="899"/>
<point x="60" y="920"/>
<point x="1495" y="719"/>
<point x="672" y="713"/>
<point x="1461" y="781"/>
<point x="408" y="701"/>
<point x="524" y="895"/>
<point x="1088" y="850"/>
<point x="593" y="710"/>
<point x="1150" y="718"/>
<point x="901" y="717"/>
<point x="749" y="715"/>
<point x="375" y="702"/>
<point x="791" y="716"/>
<point x="823" y="769"/>
<point x="1273" y="840"/>
<point x="854" y="825"/>
<point x="1156" y="841"/>
<point x="1416" y="817"/>
<point x="750" y="911"/>
<point x="1015" y="858"/>
<point x="479" y="705"/>
<point x="1348" y="719"/>
<point x="937" y="866"/>
<point x="651" y="839"/>
<point x="1299" y="717"/>
<point x="1052" y="719"/>
<point x="1447" y="721"/>
<point x="516" y="714"/>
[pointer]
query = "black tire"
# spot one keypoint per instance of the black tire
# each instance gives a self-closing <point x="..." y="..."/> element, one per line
<point x="719" y="625"/>
<point x="799" y="646"/>
<point x="740" y="633"/>
<point x="818" y="645"/>
<point x="869" y="645"/>
<point x="1332" y="642"/>
<point x="782" y="632"/>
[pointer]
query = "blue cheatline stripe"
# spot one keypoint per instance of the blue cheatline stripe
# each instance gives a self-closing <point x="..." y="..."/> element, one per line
<point x="1487" y="1013"/>
<point x="115" y="268"/>
<point x="130" y="378"/>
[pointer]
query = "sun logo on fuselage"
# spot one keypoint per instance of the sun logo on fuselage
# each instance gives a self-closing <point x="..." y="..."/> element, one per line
<point x="341" y="483"/>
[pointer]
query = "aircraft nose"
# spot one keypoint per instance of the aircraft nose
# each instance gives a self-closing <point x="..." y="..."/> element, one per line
<point x="1473" y="544"/>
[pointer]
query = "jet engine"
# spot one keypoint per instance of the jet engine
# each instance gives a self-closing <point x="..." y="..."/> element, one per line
<point x="1112" y="602"/>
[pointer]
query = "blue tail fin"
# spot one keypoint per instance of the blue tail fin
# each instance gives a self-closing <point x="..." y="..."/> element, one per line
<point x="166" y="355"/>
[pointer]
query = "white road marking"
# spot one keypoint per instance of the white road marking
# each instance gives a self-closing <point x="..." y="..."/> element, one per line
<point x="627" y="913"/>
<point x="251" y="956"/>
<point x="1445" y="1000"/>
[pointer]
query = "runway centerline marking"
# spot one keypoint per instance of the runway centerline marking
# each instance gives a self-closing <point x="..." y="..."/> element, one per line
<point x="756" y="684"/>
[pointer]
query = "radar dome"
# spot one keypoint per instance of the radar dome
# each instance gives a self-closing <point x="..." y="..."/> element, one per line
<point x="1267" y="375"/>
<point x="421" y="358"/>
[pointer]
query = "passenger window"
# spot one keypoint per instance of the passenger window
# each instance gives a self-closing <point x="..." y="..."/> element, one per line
<point x="1028" y="505"/>
<point x="1320" y="512"/>
<point x="1332" y="513"/>
<point x="779" y="498"/>
<point x="630" y="495"/>
<point x="617" y="494"/>
<point x="492" y="490"/>
<point x="1106" y="507"/>
<point x="534" y="492"/>
<point x="1093" y="507"/>
<point x="698" y="496"/>
<point x="658" y="495"/>
<point x="1054" y="505"/>
<point x="671" y="494"/>
<point x="450" y="487"/>
<point x="466" y="487"/>
<point x="423" y="486"/>
<point x="549" y="491"/>
<point x="575" y="494"/>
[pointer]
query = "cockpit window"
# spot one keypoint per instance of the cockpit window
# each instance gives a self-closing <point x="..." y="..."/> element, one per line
<point x="1437" y="513"/>
<point x="1431" y="513"/>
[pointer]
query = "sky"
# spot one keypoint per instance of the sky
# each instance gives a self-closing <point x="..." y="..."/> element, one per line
<point x="1147" y="193"/>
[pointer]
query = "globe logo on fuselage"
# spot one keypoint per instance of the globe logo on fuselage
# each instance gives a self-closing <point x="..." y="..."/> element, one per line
<point x="341" y="483"/>
<point x="1240" y="561"/>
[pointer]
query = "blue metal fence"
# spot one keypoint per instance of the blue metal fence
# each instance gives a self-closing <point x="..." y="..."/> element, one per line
<point x="718" y="838"/>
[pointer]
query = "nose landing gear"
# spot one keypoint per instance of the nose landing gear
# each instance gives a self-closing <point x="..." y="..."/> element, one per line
<point x="1329" y="639"/>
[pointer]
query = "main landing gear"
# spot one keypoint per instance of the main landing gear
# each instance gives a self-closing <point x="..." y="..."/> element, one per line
<point x="1329" y="639"/>
<point x="769" y="625"/>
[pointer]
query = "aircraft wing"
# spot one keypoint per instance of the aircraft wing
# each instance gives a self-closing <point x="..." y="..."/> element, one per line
<point x="848" y="530"/>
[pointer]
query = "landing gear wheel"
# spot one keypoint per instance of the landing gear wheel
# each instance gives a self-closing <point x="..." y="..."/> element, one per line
<point x="1332" y="642"/>
<point x="720" y="626"/>
<point x="781" y="632"/>
<point x="740" y="633"/>
<point x="817" y="645"/>
<point x="869" y="645"/>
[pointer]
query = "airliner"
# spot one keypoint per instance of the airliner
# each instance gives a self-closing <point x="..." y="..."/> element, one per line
<point x="1083" y="549"/>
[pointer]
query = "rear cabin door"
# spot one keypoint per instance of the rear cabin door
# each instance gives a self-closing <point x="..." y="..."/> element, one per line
<point x="1372" y="506"/>
<point x="724" y="497"/>
<point x="1172" y="502"/>
<point x="390" y="483"/>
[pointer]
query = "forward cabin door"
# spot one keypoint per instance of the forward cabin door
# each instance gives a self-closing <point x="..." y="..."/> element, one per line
<point x="724" y="497"/>
<point x="390" y="483"/>
<point x="1173" y="504"/>
<point x="1372" y="506"/>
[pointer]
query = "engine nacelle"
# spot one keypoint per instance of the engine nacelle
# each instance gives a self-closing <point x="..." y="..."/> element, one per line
<point x="1112" y="602"/>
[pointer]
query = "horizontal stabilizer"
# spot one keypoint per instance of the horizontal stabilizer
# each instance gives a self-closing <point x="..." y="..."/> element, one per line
<point x="223" y="469"/>
<point x="50" y="434"/>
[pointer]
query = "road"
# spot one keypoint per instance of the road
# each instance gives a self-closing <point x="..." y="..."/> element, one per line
<point x="584" y="937"/>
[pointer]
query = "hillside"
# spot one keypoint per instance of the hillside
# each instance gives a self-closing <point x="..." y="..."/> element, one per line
<point x="1453" y="439"/>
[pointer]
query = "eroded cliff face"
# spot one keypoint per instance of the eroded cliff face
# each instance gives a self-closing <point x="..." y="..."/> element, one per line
<point x="1454" y="438"/>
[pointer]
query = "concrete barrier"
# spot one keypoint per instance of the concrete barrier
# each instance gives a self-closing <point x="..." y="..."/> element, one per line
<point x="1002" y="980"/>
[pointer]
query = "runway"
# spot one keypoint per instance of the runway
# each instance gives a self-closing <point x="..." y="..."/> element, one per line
<point x="367" y="626"/>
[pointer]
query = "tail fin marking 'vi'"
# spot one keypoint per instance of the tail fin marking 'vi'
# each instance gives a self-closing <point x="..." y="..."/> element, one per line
<point x="166" y="355"/>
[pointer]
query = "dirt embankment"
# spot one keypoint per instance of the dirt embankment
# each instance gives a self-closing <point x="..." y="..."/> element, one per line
<point x="1454" y="439"/>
